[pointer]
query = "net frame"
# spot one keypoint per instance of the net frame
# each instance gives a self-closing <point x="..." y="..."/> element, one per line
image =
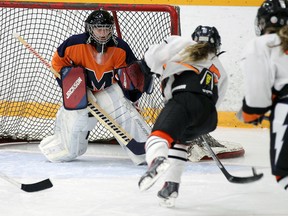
<point x="16" y="116"/>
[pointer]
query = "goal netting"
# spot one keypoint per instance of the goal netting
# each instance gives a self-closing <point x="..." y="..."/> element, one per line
<point x="30" y="96"/>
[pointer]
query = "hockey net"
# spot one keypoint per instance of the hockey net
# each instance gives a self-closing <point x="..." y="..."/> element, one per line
<point x="30" y="96"/>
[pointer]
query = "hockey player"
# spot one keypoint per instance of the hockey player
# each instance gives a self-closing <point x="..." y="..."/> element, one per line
<point x="190" y="71"/>
<point x="98" y="52"/>
<point x="265" y="69"/>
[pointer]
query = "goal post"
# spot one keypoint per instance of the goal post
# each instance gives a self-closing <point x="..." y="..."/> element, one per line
<point x="30" y="96"/>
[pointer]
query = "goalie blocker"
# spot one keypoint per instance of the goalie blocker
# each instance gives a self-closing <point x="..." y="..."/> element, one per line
<point x="74" y="90"/>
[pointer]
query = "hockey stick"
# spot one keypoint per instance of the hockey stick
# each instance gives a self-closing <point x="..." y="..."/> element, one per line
<point x="229" y="177"/>
<point x="37" y="186"/>
<point x="118" y="132"/>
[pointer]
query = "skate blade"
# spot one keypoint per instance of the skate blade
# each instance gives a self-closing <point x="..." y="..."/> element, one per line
<point x="167" y="203"/>
<point x="148" y="182"/>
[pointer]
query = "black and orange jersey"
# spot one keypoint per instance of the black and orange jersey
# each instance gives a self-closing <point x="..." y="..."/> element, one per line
<point x="75" y="51"/>
<point x="166" y="60"/>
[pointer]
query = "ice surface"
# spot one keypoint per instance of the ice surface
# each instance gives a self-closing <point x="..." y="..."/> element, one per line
<point x="99" y="183"/>
<point x="104" y="181"/>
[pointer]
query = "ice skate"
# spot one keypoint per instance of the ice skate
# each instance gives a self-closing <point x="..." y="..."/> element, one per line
<point x="158" y="166"/>
<point x="168" y="194"/>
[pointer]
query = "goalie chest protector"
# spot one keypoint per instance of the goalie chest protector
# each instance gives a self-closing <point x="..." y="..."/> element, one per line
<point x="74" y="90"/>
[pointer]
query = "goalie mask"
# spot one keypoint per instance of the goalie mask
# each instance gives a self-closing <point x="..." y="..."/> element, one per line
<point x="207" y="34"/>
<point x="272" y="14"/>
<point x="100" y="26"/>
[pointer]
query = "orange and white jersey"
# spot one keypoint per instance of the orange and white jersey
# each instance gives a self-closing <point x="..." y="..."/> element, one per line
<point x="167" y="55"/>
<point x="75" y="51"/>
<point x="265" y="67"/>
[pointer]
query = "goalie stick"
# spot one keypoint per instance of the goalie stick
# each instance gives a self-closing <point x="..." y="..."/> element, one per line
<point x="229" y="177"/>
<point x="37" y="186"/>
<point x="135" y="147"/>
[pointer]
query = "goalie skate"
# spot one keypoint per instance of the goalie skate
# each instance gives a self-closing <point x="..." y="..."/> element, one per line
<point x="168" y="194"/>
<point x="158" y="166"/>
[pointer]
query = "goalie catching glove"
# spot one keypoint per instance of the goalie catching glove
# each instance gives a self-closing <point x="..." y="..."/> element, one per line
<point x="136" y="76"/>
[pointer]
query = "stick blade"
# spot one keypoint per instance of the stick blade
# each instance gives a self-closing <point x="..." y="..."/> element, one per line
<point x="138" y="148"/>
<point x="38" y="186"/>
<point x="244" y="180"/>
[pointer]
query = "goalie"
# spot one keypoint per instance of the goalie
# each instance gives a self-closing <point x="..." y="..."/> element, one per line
<point x="90" y="60"/>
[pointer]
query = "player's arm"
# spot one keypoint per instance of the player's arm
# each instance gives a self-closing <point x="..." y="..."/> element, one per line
<point x="222" y="83"/>
<point x="159" y="54"/>
<point x="258" y="83"/>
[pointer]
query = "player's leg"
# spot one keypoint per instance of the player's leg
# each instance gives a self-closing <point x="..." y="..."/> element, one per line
<point x="172" y="120"/>
<point x="177" y="158"/>
<point x="185" y="115"/>
<point x="156" y="158"/>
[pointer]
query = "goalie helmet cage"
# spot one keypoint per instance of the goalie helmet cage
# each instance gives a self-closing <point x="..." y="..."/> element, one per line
<point x="30" y="96"/>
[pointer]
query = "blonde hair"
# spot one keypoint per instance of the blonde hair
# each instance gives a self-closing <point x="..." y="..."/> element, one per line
<point x="283" y="34"/>
<point x="197" y="52"/>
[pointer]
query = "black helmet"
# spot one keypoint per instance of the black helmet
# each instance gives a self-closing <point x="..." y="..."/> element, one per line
<point x="207" y="34"/>
<point x="100" y="19"/>
<point x="272" y="13"/>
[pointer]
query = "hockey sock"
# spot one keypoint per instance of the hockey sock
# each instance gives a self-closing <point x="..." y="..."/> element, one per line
<point x="156" y="147"/>
<point x="177" y="157"/>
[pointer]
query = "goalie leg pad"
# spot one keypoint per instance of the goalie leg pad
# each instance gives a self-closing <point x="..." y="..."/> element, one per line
<point x="225" y="149"/>
<point x="70" y="138"/>
<point x="113" y="101"/>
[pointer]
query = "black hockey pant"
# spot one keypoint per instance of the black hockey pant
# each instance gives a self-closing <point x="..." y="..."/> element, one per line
<point x="186" y="116"/>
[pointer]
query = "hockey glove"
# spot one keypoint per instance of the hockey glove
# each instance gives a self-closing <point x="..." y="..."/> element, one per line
<point x="135" y="76"/>
<point x="74" y="88"/>
<point x="257" y="121"/>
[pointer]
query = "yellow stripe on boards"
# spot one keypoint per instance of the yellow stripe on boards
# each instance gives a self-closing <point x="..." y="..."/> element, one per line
<point x="49" y="110"/>
<point x="28" y="109"/>
<point x="167" y="2"/>
<point x="225" y="119"/>
<point x="229" y="119"/>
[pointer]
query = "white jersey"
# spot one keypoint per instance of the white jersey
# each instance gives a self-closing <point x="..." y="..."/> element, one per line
<point x="169" y="51"/>
<point x="264" y="66"/>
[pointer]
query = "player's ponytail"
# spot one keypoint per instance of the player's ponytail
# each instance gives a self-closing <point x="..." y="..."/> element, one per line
<point x="197" y="52"/>
<point x="283" y="34"/>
